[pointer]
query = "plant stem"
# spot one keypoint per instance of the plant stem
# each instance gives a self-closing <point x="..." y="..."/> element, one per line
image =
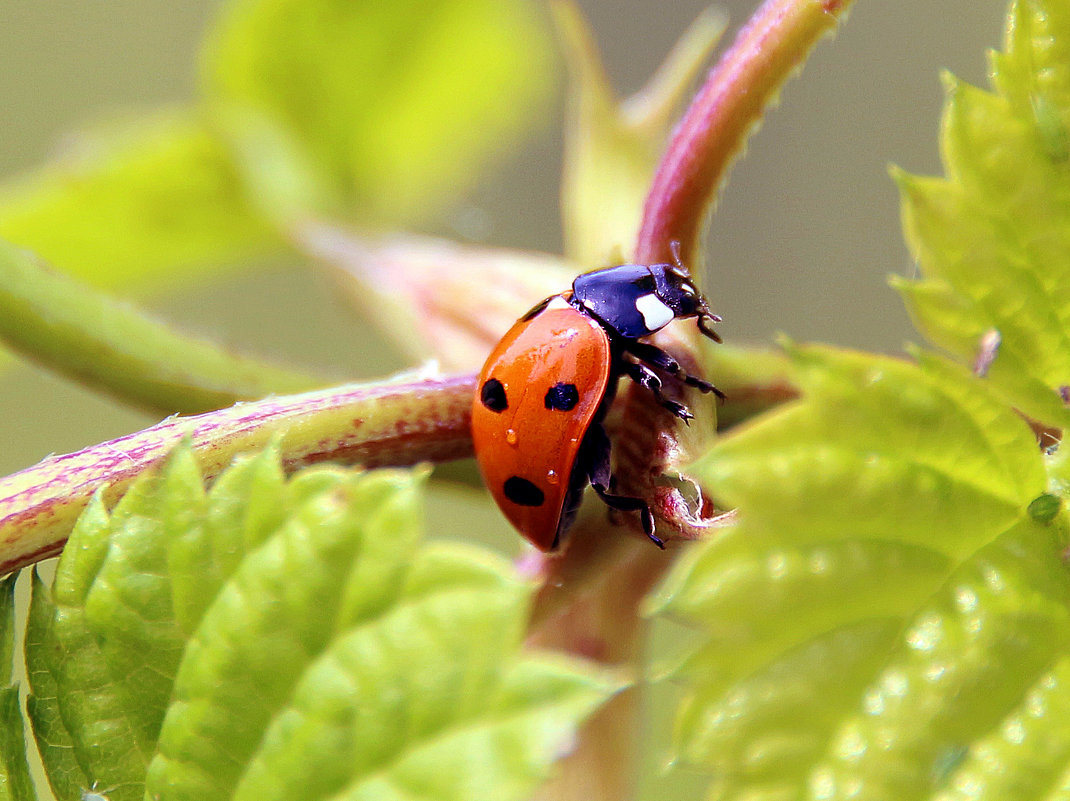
<point x="771" y="46"/>
<point x="596" y="616"/>
<point x="375" y="425"/>
<point x="102" y="342"/>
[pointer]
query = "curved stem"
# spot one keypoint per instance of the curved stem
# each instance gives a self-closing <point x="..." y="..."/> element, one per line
<point x="771" y="46"/>
<point x="375" y="425"/>
<point x="105" y="343"/>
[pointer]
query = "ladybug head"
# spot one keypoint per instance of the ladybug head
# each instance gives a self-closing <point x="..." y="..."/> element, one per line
<point x="635" y="300"/>
<point x="677" y="291"/>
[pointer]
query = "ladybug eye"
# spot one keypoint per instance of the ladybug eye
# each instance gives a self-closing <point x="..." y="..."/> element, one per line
<point x="562" y="397"/>
<point x="492" y="395"/>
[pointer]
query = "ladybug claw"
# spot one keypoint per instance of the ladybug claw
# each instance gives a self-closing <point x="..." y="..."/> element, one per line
<point x="624" y="503"/>
<point x="678" y="410"/>
<point x="648" y="528"/>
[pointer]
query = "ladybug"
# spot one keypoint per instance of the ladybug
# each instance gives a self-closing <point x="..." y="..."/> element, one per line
<point x="545" y="389"/>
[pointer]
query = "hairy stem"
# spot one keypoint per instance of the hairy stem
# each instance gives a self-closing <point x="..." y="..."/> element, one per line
<point x="375" y="425"/>
<point x="772" y="45"/>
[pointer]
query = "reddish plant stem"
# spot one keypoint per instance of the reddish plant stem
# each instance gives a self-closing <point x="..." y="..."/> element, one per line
<point x="767" y="50"/>
<point x="375" y="425"/>
<point x="596" y="616"/>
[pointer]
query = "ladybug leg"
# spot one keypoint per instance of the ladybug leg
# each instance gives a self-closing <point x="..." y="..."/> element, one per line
<point x="625" y="504"/>
<point x="644" y="376"/>
<point x="655" y="356"/>
<point x="600" y="475"/>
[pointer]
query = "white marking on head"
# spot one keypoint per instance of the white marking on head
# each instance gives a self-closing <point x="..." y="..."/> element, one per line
<point x="558" y="302"/>
<point x="655" y="313"/>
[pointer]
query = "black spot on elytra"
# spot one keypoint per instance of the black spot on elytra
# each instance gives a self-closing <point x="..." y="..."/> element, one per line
<point x="492" y="395"/>
<point x="522" y="492"/>
<point x="562" y="397"/>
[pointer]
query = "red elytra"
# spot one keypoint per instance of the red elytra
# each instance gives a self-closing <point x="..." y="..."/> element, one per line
<point x="529" y="449"/>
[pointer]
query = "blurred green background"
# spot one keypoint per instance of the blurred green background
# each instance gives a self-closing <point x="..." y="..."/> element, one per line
<point x="804" y="235"/>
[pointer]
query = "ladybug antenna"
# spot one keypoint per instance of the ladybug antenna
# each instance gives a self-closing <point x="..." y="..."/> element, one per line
<point x="674" y="248"/>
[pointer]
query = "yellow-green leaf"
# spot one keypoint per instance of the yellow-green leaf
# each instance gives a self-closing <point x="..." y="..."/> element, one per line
<point x="892" y="592"/>
<point x="136" y="201"/>
<point x="992" y="238"/>
<point x="388" y="108"/>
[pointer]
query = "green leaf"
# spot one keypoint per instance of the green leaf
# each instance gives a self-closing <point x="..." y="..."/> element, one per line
<point x="239" y="512"/>
<point x="377" y="110"/>
<point x="271" y="638"/>
<point x="339" y="658"/>
<point x="877" y="440"/>
<point x="963" y="664"/>
<point x="1033" y="70"/>
<point x="103" y="648"/>
<point x="754" y="379"/>
<point x="992" y="239"/>
<point x="1025" y="756"/>
<point x="54" y="741"/>
<point x="15" y="781"/>
<point x="140" y="201"/>
<point x="889" y="599"/>
<point x="7" y="629"/>
<point x="83" y="706"/>
<point x="415" y="702"/>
